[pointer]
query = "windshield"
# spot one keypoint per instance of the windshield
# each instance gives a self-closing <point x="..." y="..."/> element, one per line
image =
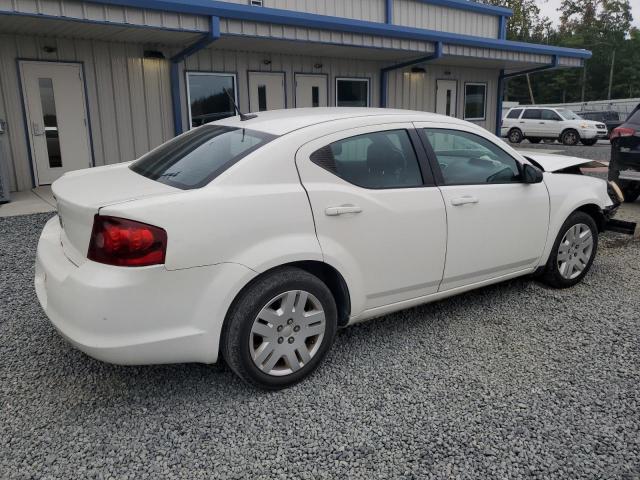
<point x="193" y="159"/>
<point x="568" y="114"/>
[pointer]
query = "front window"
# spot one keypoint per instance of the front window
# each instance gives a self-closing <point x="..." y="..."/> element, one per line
<point x="568" y="114"/>
<point x="475" y="101"/>
<point x="193" y="159"/>
<point x="207" y="99"/>
<point x="550" y="115"/>
<point x="466" y="158"/>
<point x="352" y="92"/>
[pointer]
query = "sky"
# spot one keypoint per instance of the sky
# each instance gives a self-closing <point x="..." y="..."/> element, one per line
<point x="549" y="9"/>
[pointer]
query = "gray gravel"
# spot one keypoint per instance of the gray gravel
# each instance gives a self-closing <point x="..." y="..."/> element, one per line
<point x="512" y="381"/>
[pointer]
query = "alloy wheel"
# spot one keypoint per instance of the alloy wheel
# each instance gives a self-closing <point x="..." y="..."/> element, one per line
<point x="287" y="333"/>
<point x="574" y="251"/>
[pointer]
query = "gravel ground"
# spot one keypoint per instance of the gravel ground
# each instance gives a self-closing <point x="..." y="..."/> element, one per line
<point x="511" y="381"/>
<point x="600" y="151"/>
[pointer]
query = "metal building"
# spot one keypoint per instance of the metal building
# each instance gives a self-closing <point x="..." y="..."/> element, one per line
<point x="91" y="83"/>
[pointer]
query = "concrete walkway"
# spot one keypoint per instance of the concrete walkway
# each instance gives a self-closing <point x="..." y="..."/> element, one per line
<point x="36" y="200"/>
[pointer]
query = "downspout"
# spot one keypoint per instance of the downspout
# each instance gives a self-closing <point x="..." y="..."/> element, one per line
<point x="205" y="41"/>
<point x="384" y="71"/>
<point x="501" y="83"/>
<point x="388" y="11"/>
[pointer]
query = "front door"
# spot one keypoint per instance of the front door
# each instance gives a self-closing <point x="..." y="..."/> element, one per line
<point x="446" y="97"/>
<point x="57" y="124"/>
<point x="311" y="90"/>
<point x="266" y="91"/>
<point x="376" y="219"/>
<point x="496" y="225"/>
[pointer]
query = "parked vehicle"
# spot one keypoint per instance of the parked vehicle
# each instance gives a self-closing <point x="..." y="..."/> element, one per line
<point x="257" y="239"/>
<point x="609" y="117"/>
<point x="624" y="167"/>
<point x="537" y="123"/>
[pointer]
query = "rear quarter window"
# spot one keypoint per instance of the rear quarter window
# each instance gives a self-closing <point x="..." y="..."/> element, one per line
<point x="195" y="158"/>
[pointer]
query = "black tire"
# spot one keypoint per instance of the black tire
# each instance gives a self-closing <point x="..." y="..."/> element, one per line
<point x="515" y="135"/>
<point x="236" y="332"/>
<point x="534" y="139"/>
<point x="589" y="143"/>
<point x="631" y="192"/>
<point x="551" y="274"/>
<point x="570" y="137"/>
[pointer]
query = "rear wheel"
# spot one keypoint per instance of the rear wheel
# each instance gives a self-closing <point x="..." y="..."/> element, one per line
<point x="590" y="142"/>
<point x="534" y="139"/>
<point x="515" y="135"/>
<point x="573" y="251"/>
<point x="280" y="328"/>
<point x="570" y="137"/>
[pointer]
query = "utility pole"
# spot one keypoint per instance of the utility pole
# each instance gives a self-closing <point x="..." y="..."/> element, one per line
<point x="613" y="60"/>
<point x="584" y="80"/>
<point x="533" y="101"/>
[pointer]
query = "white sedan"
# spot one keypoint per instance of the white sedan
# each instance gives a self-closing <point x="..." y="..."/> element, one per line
<point x="256" y="239"/>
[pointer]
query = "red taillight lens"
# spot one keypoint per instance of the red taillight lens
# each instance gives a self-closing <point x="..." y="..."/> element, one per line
<point x="622" y="132"/>
<point x="126" y="243"/>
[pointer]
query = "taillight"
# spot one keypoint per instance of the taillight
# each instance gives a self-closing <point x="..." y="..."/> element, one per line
<point x="622" y="132"/>
<point x="126" y="243"/>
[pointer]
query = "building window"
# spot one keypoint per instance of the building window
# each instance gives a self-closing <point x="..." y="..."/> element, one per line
<point x="475" y="101"/>
<point x="207" y="99"/>
<point x="352" y="92"/>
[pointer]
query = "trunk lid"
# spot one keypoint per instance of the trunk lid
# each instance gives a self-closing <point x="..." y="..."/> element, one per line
<point x="81" y="194"/>
<point x="554" y="163"/>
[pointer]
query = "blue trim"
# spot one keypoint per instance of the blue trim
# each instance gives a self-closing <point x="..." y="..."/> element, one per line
<point x="325" y="22"/>
<point x="388" y="11"/>
<point x="554" y="64"/>
<point x="499" y="105"/>
<point x="502" y="27"/>
<point x="174" y="73"/>
<point x="384" y="71"/>
<point x="471" y="6"/>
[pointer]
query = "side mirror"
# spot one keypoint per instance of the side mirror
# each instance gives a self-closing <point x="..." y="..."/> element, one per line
<point x="531" y="174"/>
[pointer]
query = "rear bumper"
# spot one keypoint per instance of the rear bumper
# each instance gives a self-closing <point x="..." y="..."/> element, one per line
<point x="142" y="315"/>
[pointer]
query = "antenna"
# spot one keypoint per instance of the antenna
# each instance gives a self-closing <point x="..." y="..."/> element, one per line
<point x="243" y="116"/>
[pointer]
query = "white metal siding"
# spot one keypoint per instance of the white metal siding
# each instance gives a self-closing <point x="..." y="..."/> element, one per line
<point x="417" y="91"/>
<point x="128" y="98"/>
<point x="412" y="13"/>
<point x="371" y="10"/>
<point x="107" y="13"/>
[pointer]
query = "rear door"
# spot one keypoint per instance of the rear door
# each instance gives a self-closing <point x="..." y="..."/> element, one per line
<point x="378" y="215"/>
<point x="531" y="122"/>
<point x="497" y="225"/>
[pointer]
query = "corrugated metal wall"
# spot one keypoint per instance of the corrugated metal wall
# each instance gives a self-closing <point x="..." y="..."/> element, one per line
<point x="434" y="17"/>
<point x="418" y="91"/>
<point x="372" y="10"/>
<point x="128" y="98"/>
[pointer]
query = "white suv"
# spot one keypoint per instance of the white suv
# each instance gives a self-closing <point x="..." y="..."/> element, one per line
<point x="537" y="123"/>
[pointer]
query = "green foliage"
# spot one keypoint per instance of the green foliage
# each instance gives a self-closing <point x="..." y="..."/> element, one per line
<point x="602" y="26"/>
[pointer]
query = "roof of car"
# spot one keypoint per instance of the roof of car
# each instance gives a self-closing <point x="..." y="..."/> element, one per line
<point x="280" y="122"/>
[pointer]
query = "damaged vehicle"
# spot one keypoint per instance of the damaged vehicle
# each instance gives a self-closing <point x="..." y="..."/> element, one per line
<point x="255" y="237"/>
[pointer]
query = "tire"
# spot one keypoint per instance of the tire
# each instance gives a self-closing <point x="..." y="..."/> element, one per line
<point x="589" y="143"/>
<point x="534" y="140"/>
<point x="631" y="192"/>
<point x="266" y="296"/>
<point x="570" y="137"/>
<point x="581" y="257"/>
<point x="515" y="135"/>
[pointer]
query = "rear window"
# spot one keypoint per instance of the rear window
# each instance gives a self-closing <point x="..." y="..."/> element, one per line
<point x="195" y="158"/>
<point x="635" y="118"/>
<point x="515" y="113"/>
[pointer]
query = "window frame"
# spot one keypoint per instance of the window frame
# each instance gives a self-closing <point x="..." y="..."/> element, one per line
<point x="437" y="170"/>
<point x="187" y="73"/>
<point x="357" y="79"/>
<point x="424" y="165"/>
<point x="484" y="104"/>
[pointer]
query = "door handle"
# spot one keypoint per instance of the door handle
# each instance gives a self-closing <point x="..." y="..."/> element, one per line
<point x="456" y="202"/>
<point x="341" y="210"/>
<point x="36" y="129"/>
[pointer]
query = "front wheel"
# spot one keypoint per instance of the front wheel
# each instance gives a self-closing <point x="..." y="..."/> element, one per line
<point x="590" y="142"/>
<point x="280" y="328"/>
<point x="573" y="251"/>
<point x="570" y="137"/>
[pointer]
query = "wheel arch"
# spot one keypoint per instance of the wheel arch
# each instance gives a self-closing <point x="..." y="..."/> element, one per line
<point x="595" y="212"/>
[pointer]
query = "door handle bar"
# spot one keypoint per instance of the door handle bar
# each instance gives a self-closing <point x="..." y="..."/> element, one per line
<point x="456" y="202"/>
<point x="341" y="210"/>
